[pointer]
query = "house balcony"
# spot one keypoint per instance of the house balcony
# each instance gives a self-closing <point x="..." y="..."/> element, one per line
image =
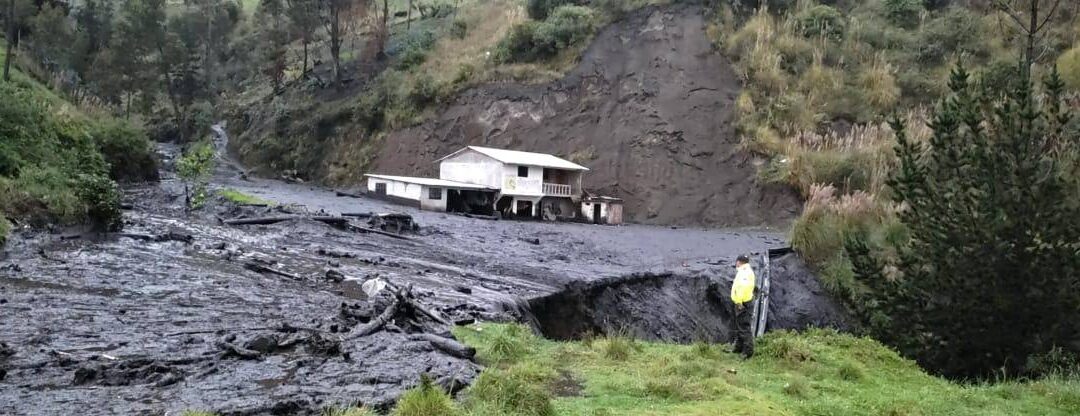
<point x="556" y="189"/>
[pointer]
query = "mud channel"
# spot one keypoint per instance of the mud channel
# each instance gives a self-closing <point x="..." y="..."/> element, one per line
<point x="173" y="315"/>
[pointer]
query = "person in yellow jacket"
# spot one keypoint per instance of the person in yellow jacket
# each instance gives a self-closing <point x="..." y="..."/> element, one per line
<point x="742" y="294"/>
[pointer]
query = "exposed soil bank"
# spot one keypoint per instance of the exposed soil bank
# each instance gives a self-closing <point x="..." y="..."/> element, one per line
<point x="649" y="109"/>
<point x="682" y="308"/>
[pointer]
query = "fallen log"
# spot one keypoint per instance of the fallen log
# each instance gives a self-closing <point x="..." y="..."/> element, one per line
<point x="274" y="220"/>
<point x="479" y="217"/>
<point x="229" y="348"/>
<point x="357" y="214"/>
<point x="446" y="345"/>
<point x="258" y="268"/>
<point x="347" y="194"/>
<point x="408" y="298"/>
<point x="379" y="232"/>
<point x="377" y="323"/>
<point x="170" y="236"/>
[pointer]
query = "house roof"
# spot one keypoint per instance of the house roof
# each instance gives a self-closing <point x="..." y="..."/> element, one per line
<point x="429" y="181"/>
<point x="516" y="157"/>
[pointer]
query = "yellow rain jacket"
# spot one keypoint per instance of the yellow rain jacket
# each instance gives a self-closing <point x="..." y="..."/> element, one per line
<point x="742" y="289"/>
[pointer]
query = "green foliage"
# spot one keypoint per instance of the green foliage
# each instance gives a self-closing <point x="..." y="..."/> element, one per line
<point x="425" y="91"/>
<point x="416" y="48"/>
<point x="426" y="399"/>
<point x="508" y="345"/>
<point x="1068" y="64"/>
<point x="194" y="168"/>
<point x="821" y="20"/>
<point x="459" y="28"/>
<point x="510" y="392"/>
<point x="532" y="41"/>
<point x="979" y="247"/>
<point x="903" y="13"/>
<point x="541" y="9"/>
<point x="815" y="372"/>
<point x="102" y="199"/>
<point x="126" y="148"/>
<point x="619" y="347"/>
<point x="238" y="197"/>
<point x="5" y="228"/>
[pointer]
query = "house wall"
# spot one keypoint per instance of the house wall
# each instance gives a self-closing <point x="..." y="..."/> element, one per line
<point x="533" y="185"/>
<point x="472" y="167"/>
<point x="397" y="191"/>
<point x="587" y="210"/>
<point x="433" y="204"/>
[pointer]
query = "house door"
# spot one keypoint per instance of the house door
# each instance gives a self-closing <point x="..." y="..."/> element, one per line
<point x="380" y="189"/>
<point x="596" y="214"/>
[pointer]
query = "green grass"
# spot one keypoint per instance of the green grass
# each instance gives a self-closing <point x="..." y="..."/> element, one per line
<point x="241" y="198"/>
<point x="819" y="372"/>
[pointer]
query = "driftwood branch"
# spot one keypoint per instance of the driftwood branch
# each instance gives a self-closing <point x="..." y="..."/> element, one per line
<point x="274" y="220"/>
<point x="447" y="345"/>
<point x="258" y="268"/>
<point x="377" y="323"/>
<point x="170" y="236"/>
<point x="346" y="194"/>
<point x="232" y="349"/>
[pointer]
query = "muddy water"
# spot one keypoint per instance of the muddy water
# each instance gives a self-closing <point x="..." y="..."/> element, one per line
<point x="117" y="325"/>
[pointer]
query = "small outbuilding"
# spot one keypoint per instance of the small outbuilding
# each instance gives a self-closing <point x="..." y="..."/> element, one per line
<point x="432" y="194"/>
<point x="602" y="210"/>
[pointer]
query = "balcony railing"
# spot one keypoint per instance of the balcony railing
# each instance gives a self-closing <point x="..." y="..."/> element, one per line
<point x="555" y="189"/>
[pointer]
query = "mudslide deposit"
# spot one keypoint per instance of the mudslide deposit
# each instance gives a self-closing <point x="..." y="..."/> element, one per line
<point x="649" y="109"/>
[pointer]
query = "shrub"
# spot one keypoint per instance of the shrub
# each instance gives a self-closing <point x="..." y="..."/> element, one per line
<point x="541" y="9"/>
<point x="507" y="346"/>
<point x="533" y="41"/>
<point x="416" y="48"/>
<point x="102" y="199"/>
<point x="425" y="90"/>
<point x="1068" y="64"/>
<point x="619" y="347"/>
<point x="5" y="228"/>
<point x="127" y="150"/>
<point x="797" y="387"/>
<point x="510" y="392"/>
<point x="821" y="20"/>
<point x="785" y="345"/>
<point x="426" y="399"/>
<point x="459" y="28"/>
<point x="851" y="372"/>
<point x="194" y="169"/>
<point x="903" y="13"/>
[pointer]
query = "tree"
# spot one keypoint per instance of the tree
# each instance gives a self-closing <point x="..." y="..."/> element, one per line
<point x="274" y="39"/>
<point x="53" y="37"/>
<point x="991" y="271"/>
<point x="338" y="17"/>
<point x="194" y="169"/>
<point x="182" y="74"/>
<point x="304" y="21"/>
<point x="93" y="27"/>
<point x="15" y="15"/>
<point x="137" y="50"/>
<point x="1032" y="18"/>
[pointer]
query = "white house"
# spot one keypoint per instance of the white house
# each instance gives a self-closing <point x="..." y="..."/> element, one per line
<point x="478" y="179"/>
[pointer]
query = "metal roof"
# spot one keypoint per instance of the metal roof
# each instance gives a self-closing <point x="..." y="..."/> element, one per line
<point x="516" y="157"/>
<point x="429" y="181"/>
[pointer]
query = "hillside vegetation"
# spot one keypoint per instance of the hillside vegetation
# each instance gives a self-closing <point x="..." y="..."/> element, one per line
<point x="58" y="163"/>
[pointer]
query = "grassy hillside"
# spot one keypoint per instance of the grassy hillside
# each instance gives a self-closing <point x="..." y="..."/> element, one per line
<point x="814" y="373"/>
<point x="59" y="163"/>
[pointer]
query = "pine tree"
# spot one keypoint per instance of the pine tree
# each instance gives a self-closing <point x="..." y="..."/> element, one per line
<point x="990" y="272"/>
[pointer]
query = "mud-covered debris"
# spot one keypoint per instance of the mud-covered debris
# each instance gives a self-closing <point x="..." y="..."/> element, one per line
<point x="393" y="222"/>
<point x="335" y="276"/>
<point x="533" y="241"/>
<point x="232" y="350"/>
<point x="338" y="254"/>
<point x="447" y="345"/>
<point x="259" y="268"/>
<point x="160" y="238"/>
<point x="265" y="343"/>
<point x="463" y="289"/>
<point x="6" y="350"/>
<point x="130" y="372"/>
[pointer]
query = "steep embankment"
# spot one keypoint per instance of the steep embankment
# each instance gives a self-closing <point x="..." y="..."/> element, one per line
<point x="649" y="109"/>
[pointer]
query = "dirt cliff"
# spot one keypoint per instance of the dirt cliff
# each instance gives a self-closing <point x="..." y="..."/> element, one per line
<point x="649" y="109"/>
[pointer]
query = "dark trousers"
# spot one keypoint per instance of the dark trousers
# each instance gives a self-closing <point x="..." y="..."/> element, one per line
<point x="744" y="338"/>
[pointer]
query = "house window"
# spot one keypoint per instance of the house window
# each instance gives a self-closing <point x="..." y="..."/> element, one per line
<point x="434" y="193"/>
<point x="380" y="188"/>
<point x="523" y="171"/>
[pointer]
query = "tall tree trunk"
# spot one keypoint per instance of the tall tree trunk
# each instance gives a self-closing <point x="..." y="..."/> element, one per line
<point x="1029" y="59"/>
<point x="10" y="40"/>
<point x="408" y="17"/>
<point x="385" y="33"/>
<point x="303" y="72"/>
<point x="335" y="45"/>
